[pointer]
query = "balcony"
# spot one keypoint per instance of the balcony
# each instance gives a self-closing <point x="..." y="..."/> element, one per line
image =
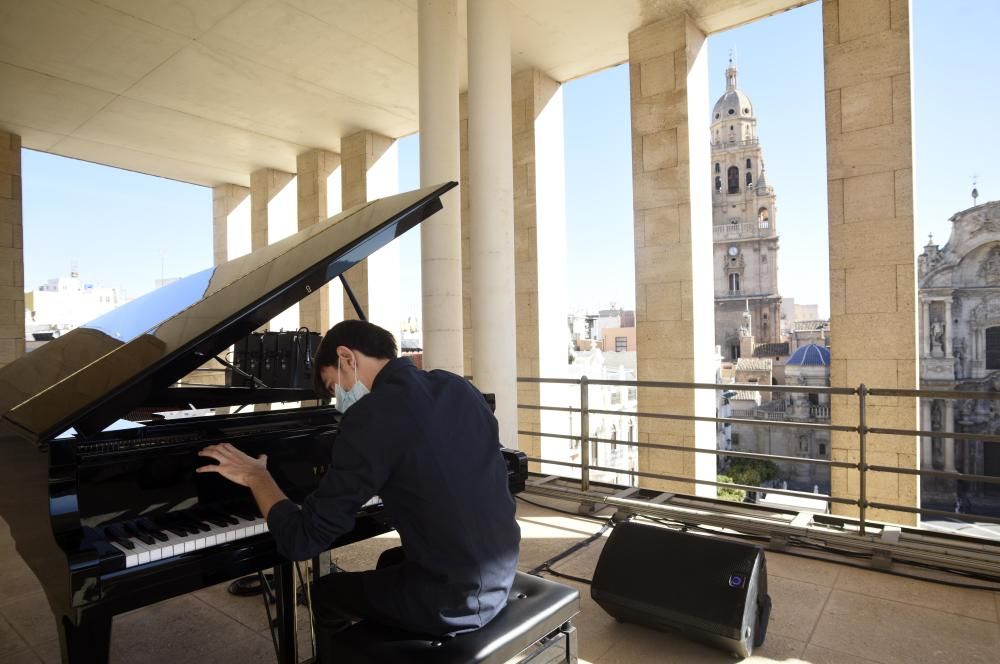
<point x="734" y="145"/>
<point x="742" y="231"/>
<point x="823" y="612"/>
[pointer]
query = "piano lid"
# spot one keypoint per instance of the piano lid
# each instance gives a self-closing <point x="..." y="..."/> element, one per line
<point x="99" y="372"/>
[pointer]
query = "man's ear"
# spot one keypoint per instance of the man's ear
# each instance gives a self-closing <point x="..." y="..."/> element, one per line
<point x="345" y="358"/>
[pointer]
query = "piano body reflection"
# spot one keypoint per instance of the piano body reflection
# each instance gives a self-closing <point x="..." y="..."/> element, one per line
<point x="109" y="514"/>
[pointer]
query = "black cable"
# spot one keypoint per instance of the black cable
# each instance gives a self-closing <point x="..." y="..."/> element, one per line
<point x="561" y="511"/>
<point x="573" y="549"/>
<point x="561" y="575"/>
<point x="266" y="594"/>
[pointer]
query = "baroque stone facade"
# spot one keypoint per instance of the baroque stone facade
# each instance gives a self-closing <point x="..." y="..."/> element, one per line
<point x="959" y="296"/>
<point x="744" y="230"/>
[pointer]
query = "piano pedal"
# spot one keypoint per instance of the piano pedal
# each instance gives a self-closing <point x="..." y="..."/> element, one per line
<point x="249" y="586"/>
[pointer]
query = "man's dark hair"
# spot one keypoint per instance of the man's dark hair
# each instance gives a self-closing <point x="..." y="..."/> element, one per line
<point x="358" y="335"/>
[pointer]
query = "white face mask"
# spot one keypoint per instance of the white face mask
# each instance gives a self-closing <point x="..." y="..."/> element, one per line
<point x="347" y="398"/>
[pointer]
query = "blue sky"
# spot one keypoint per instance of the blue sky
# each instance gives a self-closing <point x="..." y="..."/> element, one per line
<point x="124" y="229"/>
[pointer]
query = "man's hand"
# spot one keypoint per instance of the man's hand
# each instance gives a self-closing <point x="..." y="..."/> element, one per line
<point x="234" y="465"/>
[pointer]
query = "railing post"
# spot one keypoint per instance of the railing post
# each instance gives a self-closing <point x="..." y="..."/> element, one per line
<point x="584" y="435"/>
<point x="862" y="457"/>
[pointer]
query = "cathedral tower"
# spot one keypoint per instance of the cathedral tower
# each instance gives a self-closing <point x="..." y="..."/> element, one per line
<point x="744" y="230"/>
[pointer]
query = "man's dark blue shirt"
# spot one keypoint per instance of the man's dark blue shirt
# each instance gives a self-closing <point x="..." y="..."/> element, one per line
<point x="427" y="444"/>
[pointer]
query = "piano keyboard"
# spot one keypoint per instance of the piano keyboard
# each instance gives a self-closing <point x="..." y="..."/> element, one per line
<point x="150" y="539"/>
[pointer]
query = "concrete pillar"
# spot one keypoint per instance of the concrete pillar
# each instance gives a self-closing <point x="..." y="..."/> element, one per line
<point x="947" y="327"/>
<point x="369" y="166"/>
<point x="463" y="114"/>
<point x="926" y="448"/>
<point x="316" y="169"/>
<point x="923" y="330"/>
<point x="492" y="210"/>
<point x="540" y="231"/>
<point x="949" y="443"/>
<point x="866" y="47"/>
<point x="668" y="72"/>
<point x="441" y="235"/>
<point x="272" y="217"/>
<point x="230" y="222"/>
<point x="11" y="250"/>
<point x="230" y="239"/>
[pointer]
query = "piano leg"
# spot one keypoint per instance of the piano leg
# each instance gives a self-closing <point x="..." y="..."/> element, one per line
<point x="86" y="643"/>
<point x="285" y="591"/>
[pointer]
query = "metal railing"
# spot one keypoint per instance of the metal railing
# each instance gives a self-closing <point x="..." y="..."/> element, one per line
<point x="862" y="430"/>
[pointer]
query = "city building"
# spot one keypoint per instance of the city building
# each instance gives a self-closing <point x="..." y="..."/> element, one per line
<point x="959" y="332"/>
<point x="744" y="225"/>
<point x="63" y="303"/>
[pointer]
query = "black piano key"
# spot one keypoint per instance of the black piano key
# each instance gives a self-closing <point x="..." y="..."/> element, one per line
<point x="227" y="519"/>
<point x="192" y="524"/>
<point x="146" y="526"/>
<point x="132" y="531"/>
<point x="113" y="535"/>
<point x="170" y="524"/>
<point x="207" y="516"/>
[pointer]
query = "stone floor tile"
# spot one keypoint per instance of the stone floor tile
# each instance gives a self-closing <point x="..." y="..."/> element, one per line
<point x="816" y="655"/>
<point x="889" y="632"/>
<point x="796" y="607"/>
<point x="10" y="641"/>
<point x="643" y="644"/>
<point x="777" y="649"/>
<point x="31" y="616"/>
<point x="16" y="578"/>
<point x="247" y="610"/>
<point x="49" y="652"/>
<point x="818" y="572"/>
<point x="960" y="601"/>
<point x="182" y="629"/>
<point x="22" y="657"/>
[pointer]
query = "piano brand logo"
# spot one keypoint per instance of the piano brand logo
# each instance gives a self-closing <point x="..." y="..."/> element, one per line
<point x="309" y="288"/>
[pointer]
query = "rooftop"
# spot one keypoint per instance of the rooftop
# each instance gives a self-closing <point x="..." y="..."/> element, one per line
<point x="823" y="613"/>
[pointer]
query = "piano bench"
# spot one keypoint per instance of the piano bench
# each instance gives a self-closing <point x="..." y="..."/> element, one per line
<point x="535" y="626"/>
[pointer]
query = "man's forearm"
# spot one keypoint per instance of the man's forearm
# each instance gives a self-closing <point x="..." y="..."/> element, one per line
<point x="265" y="491"/>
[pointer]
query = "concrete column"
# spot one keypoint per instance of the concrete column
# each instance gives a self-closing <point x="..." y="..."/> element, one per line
<point x="463" y="114"/>
<point x="947" y="327"/>
<point x="316" y="168"/>
<point x="949" y="443"/>
<point x="230" y="239"/>
<point x="369" y="166"/>
<point x="668" y="71"/>
<point x="923" y="330"/>
<point x="441" y="235"/>
<point x="926" y="449"/>
<point x="230" y="222"/>
<point x="11" y="250"/>
<point x="492" y="209"/>
<point x="540" y="231"/>
<point x="272" y="217"/>
<point x="866" y="47"/>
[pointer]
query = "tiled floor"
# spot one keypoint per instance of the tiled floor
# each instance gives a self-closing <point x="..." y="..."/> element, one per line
<point x="823" y="614"/>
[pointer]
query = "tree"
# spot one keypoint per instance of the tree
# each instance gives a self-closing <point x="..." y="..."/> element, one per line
<point x="728" y="493"/>
<point x="752" y="472"/>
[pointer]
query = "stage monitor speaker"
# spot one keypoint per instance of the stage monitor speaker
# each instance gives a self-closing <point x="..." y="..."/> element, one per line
<point x="711" y="589"/>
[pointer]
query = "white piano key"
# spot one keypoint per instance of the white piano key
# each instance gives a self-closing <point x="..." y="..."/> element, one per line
<point x="155" y="554"/>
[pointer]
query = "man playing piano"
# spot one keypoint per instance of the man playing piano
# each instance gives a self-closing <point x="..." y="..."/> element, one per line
<point x="428" y="445"/>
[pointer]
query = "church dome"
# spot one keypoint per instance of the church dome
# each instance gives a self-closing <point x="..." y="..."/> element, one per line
<point x="810" y="355"/>
<point x="734" y="103"/>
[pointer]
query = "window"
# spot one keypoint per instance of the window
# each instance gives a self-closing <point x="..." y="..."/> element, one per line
<point x="736" y="439"/>
<point x="630" y="431"/>
<point x="748" y="163"/>
<point x="717" y="168"/>
<point x="803" y="444"/>
<point x="614" y="436"/>
<point x="734" y="180"/>
<point x="732" y="111"/>
<point x="763" y="217"/>
<point x="993" y="348"/>
<point x="734" y="351"/>
<point x="822" y="449"/>
<point x="749" y="179"/>
<point x="621" y="344"/>
<point x="718" y="183"/>
<point x="734" y="282"/>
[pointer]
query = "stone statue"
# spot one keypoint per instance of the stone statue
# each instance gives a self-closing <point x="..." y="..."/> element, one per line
<point x="937" y="334"/>
<point x="936" y="416"/>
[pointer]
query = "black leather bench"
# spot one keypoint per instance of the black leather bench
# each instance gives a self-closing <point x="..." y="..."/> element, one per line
<point x="535" y="625"/>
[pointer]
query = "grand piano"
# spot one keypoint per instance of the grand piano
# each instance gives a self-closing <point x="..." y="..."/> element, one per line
<point x="109" y="513"/>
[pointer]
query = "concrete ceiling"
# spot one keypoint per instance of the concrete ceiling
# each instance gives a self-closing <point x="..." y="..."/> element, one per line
<point x="206" y="91"/>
